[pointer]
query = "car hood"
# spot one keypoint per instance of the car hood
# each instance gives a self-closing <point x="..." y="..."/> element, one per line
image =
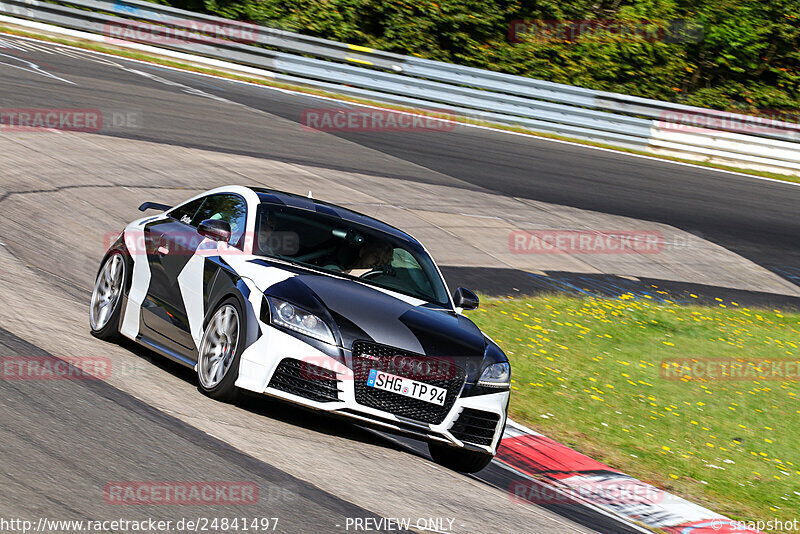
<point x="362" y="312"/>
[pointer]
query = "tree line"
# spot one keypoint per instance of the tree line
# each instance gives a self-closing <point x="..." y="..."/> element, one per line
<point x="733" y="55"/>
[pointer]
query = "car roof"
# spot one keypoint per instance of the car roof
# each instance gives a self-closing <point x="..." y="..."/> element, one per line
<point x="282" y="198"/>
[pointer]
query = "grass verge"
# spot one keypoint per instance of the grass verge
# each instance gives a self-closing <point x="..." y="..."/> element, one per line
<point x="590" y="373"/>
<point x="122" y="52"/>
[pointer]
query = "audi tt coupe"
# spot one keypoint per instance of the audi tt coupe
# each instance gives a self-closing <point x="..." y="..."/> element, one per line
<point x="313" y="303"/>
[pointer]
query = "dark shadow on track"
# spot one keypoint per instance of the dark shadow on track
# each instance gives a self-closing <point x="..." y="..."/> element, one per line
<point x="65" y="441"/>
<point x="267" y="406"/>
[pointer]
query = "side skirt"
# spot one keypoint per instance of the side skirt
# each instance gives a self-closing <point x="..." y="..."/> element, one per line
<point x="164" y="351"/>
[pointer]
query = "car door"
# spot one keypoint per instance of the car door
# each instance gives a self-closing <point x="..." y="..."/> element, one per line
<point x="171" y="243"/>
<point x="183" y="263"/>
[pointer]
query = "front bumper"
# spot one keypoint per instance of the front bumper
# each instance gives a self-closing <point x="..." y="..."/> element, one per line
<point x="261" y="360"/>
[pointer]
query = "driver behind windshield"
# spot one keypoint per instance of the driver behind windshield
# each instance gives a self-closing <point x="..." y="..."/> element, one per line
<point x="372" y="256"/>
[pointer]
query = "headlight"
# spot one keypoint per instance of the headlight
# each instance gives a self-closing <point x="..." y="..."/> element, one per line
<point x="496" y="375"/>
<point x="290" y="316"/>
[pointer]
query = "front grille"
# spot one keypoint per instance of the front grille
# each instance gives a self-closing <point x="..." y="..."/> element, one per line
<point x="306" y="380"/>
<point x="438" y="372"/>
<point x="475" y="426"/>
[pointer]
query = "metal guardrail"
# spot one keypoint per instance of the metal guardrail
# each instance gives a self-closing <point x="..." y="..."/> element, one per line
<point x="386" y="77"/>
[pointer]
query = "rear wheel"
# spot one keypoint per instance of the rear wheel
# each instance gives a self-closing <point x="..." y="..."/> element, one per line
<point x="220" y="351"/>
<point x="105" y="308"/>
<point x="461" y="460"/>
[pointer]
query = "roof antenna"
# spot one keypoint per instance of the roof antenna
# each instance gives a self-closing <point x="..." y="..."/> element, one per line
<point x="309" y="195"/>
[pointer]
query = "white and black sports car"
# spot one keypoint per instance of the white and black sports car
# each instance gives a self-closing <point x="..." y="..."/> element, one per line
<point x="295" y="298"/>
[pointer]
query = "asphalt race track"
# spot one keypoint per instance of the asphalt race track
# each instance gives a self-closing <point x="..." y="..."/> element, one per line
<point x="63" y="441"/>
<point x="754" y="218"/>
<point x="77" y="448"/>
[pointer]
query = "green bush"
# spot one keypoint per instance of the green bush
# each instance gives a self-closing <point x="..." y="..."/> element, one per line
<point x="746" y="59"/>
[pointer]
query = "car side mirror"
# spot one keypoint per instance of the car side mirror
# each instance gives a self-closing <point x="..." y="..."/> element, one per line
<point x="215" y="229"/>
<point x="465" y="299"/>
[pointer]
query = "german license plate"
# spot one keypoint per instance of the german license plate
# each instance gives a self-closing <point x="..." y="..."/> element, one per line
<point x="406" y="387"/>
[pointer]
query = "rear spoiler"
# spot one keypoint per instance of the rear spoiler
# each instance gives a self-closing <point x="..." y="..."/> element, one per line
<point x="154" y="206"/>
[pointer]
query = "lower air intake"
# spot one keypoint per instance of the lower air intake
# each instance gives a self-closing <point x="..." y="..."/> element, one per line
<point x="306" y="380"/>
<point x="475" y="426"/>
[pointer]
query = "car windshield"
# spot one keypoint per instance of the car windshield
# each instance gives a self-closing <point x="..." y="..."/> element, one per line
<point x="347" y="249"/>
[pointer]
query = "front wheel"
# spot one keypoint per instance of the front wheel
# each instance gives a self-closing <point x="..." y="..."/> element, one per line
<point x="461" y="460"/>
<point x="220" y="350"/>
<point x="105" y="307"/>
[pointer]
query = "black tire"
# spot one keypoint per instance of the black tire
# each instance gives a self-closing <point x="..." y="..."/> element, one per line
<point x="461" y="460"/>
<point x="225" y="390"/>
<point x="109" y="329"/>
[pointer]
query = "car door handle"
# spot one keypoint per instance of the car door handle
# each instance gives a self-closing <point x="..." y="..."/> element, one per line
<point x="160" y="244"/>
